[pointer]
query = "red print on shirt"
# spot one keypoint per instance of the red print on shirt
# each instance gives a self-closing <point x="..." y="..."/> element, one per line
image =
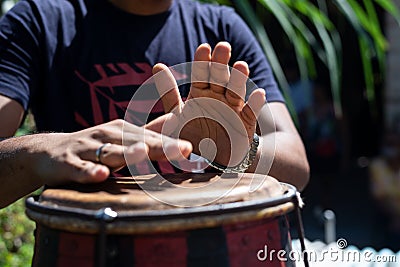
<point x="122" y="74"/>
<point x="112" y="76"/>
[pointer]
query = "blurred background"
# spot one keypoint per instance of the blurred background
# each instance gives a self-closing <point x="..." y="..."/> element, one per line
<point x="337" y="63"/>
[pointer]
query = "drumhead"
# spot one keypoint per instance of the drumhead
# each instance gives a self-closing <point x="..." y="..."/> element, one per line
<point x="143" y="203"/>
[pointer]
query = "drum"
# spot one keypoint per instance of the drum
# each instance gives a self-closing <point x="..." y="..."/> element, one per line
<point x="119" y="223"/>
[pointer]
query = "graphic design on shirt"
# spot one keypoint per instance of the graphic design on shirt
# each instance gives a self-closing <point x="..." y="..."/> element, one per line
<point x="116" y="85"/>
<point x="116" y="80"/>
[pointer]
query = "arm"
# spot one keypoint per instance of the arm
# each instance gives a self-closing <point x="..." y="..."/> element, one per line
<point x="11" y="114"/>
<point x="281" y="152"/>
<point x="28" y="162"/>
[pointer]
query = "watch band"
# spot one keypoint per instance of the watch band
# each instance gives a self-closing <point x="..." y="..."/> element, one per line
<point x="246" y="162"/>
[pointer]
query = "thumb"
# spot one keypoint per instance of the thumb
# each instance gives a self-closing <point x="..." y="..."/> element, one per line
<point x="252" y="108"/>
<point x="167" y="87"/>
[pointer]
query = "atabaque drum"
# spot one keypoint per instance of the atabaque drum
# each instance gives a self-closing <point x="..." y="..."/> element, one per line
<point x="175" y="220"/>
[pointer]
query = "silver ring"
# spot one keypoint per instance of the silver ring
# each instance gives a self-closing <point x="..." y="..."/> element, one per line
<point x="99" y="150"/>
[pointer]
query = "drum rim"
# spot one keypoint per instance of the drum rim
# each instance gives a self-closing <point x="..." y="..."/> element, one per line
<point x="289" y="195"/>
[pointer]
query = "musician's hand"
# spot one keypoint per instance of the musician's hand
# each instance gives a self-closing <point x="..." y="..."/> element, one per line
<point x="215" y="117"/>
<point x="62" y="157"/>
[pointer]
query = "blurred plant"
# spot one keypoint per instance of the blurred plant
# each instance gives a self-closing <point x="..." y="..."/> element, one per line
<point x="16" y="236"/>
<point x="27" y="127"/>
<point x="309" y="28"/>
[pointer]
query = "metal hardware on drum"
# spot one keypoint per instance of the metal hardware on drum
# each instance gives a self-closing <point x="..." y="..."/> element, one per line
<point x="104" y="216"/>
<point x="300" y="231"/>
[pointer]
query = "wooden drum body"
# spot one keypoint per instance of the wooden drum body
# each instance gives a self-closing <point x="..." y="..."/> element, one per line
<point x="117" y="223"/>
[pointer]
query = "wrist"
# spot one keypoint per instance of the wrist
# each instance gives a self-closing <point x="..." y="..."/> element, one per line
<point x="245" y="163"/>
<point x="35" y="152"/>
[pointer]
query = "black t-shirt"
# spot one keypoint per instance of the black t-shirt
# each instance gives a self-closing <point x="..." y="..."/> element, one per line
<point x="77" y="63"/>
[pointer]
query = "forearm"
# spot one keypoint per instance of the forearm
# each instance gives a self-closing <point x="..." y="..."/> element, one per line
<point x="16" y="174"/>
<point x="282" y="156"/>
<point x="281" y="152"/>
<point x="28" y="162"/>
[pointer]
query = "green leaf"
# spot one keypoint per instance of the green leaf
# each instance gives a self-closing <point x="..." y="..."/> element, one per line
<point x="368" y="74"/>
<point x="328" y="54"/>
<point x="391" y="8"/>
<point x="334" y="69"/>
<point x="311" y="32"/>
<point x="378" y="32"/>
<point x="286" y="17"/>
<point x="352" y="17"/>
<point x="245" y="9"/>
<point x="369" y="23"/>
<point x="372" y="43"/>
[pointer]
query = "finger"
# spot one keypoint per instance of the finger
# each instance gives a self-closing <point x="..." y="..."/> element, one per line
<point x="252" y="108"/>
<point x="157" y="124"/>
<point x="177" y="150"/>
<point x="157" y="147"/>
<point x="167" y="124"/>
<point x="83" y="171"/>
<point x="167" y="88"/>
<point x="136" y="153"/>
<point x="200" y="67"/>
<point x="112" y="155"/>
<point x="219" y="69"/>
<point x="156" y="143"/>
<point x="110" y="132"/>
<point x="236" y="88"/>
<point x="163" y="147"/>
<point x="172" y="151"/>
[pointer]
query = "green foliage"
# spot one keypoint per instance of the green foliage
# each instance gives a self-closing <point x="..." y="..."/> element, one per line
<point x="310" y="29"/>
<point x="16" y="236"/>
<point x="27" y="127"/>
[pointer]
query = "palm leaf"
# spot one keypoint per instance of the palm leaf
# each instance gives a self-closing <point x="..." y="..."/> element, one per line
<point x="331" y="47"/>
<point x="389" y="7"/>
<point x="324" y="39"/>
<point x="244" y="8"/>
<point x="371" y="41"/>
<point x="301" y="39"/>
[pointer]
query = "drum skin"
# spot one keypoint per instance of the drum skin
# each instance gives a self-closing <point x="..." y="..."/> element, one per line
<point x="225" y="231"/>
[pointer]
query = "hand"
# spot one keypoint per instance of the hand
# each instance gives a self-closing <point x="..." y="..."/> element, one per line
<point x="215" y="117"/>
<point x="63" y="157"/>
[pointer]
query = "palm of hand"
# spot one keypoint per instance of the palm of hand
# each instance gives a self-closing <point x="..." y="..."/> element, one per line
<point x="215" y="117"/>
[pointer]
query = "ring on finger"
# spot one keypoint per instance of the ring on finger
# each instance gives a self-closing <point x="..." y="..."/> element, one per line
<point x="99" y="151"/>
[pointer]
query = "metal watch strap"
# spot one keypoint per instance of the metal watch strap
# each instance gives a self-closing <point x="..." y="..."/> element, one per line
<point x="246" y="162"/>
